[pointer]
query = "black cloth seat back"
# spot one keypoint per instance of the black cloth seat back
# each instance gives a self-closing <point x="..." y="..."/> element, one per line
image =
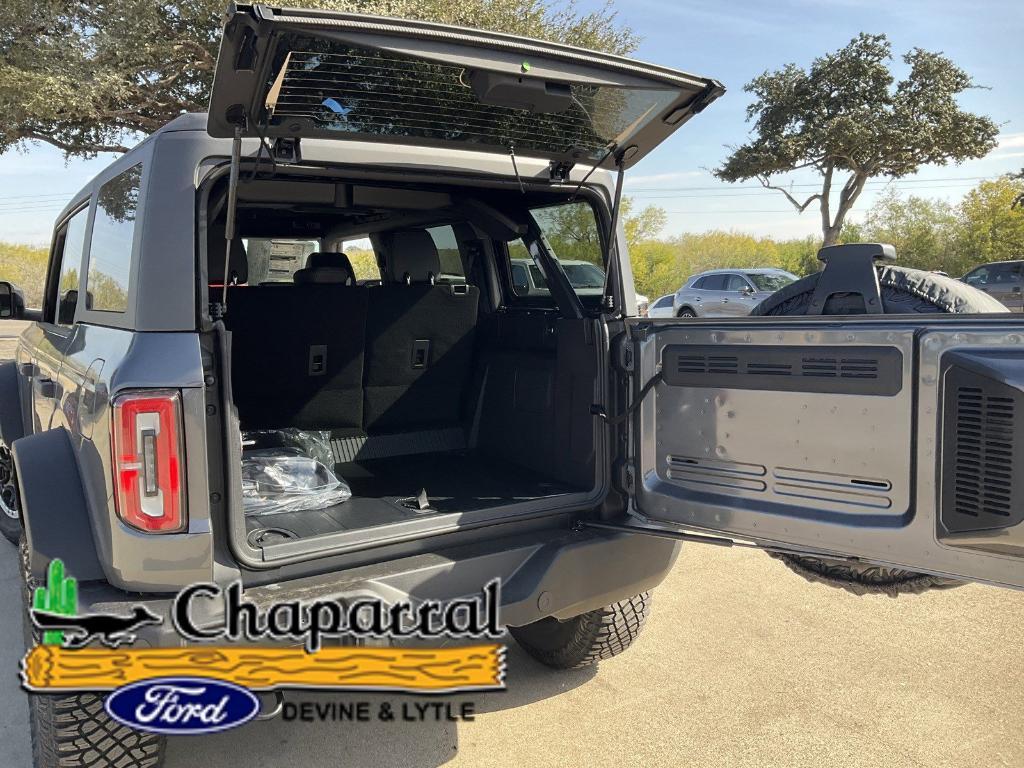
<point x="419" y="341"/>
<point x="297" y="355"/>
<point x="326" y="267"/>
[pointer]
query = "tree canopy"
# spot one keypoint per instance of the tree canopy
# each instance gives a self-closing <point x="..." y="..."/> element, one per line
<point x="847" y="115"/>
<point x="90" y="77"/>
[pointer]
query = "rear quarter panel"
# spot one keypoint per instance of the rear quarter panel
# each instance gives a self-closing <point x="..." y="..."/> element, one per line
<point x="102" y="362"/>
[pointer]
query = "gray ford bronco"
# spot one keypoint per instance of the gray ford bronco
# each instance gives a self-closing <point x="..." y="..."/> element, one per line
<point x="324" y="258"/>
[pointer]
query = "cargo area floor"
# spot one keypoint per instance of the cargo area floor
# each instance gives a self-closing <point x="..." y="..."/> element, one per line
<point x="454" y="482"/>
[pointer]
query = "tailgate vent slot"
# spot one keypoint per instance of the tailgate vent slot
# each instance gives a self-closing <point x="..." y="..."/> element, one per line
<point x="715" y="473"/>
<point x="852" y="370"/>
<point x="982" y="463"/>
<point x="983" y="454"/>
<point x="707" y="364"/>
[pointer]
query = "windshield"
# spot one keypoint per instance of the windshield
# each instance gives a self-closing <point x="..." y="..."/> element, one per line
<point x="770" y="282"/>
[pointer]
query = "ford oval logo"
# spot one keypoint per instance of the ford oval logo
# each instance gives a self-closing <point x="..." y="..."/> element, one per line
<point x="182" y="705"/>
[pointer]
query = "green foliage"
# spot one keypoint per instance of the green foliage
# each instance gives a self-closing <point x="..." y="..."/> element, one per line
<point x="924" y="231"/>
<point x="571" y="231"/>
<point x="60" y="595"/>
<point x="661" y="266"/>
<point x="25" y="266"/>
<point x="934" y="235"/>
<point x="364" y="263"/>
<point x="991" y="226"/>
<point x="847" y="115"/>
<point x="85" y="77"/>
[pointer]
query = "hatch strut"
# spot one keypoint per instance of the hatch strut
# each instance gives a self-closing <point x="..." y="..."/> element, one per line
<point x="613" y="238"/>
<point x="717" y="541"/>
<point x="229" y="225"/>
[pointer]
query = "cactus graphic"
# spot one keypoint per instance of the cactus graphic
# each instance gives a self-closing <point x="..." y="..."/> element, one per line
<point x="60" y="595"/>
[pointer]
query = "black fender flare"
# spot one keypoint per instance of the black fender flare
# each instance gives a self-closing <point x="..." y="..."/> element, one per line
<point x="53" y="506"/>
<point x="11" y="426"/>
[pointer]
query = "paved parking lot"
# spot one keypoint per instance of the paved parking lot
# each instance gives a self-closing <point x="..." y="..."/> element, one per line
<point x="10" y="330"/>
<point x="741" y="664"/>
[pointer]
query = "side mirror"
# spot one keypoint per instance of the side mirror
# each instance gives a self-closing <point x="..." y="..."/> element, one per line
<point x="12" y="301"/>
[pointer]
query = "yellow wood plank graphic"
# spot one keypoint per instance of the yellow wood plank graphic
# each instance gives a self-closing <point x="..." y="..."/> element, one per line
<point x="52" y="668"/>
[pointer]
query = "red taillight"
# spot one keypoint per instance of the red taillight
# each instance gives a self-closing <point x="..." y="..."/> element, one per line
<point x="148" y="461"/>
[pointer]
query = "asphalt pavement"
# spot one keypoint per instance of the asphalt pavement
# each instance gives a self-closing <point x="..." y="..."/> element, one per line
<point x="742" y="663"/>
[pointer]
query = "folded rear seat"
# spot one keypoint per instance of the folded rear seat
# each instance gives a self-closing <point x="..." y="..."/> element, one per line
<point x="419" y="341"/>
<point x="297" y="350"/>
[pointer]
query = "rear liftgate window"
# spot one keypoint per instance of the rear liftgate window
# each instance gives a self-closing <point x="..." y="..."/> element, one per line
<point x="337" y="88"/>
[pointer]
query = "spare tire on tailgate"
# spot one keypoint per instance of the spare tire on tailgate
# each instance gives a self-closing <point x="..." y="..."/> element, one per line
<point x="903" y="291"/>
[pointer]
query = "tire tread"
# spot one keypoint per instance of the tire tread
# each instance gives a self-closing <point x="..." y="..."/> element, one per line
<point x="75" y="731"/>
<point x="590" y="637"/>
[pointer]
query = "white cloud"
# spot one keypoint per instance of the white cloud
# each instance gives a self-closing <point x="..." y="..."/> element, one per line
<point x="1010" y="141"/>
<point x="661" y="178"/>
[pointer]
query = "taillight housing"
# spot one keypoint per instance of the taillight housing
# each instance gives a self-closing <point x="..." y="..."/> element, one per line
<point x="149" y="481"/>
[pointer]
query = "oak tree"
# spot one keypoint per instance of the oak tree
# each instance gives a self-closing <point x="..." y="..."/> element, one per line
<point x="850" y="120"/>
<point x="90" y="77"/>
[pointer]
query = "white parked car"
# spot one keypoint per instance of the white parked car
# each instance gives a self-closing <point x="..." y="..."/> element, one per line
<point x="663" y="307"/>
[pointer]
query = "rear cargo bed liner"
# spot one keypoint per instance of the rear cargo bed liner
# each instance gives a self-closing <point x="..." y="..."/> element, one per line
<point x="454" y="482"/>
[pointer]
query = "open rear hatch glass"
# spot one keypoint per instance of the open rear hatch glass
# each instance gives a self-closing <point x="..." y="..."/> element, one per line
<point x="317" y="74"/>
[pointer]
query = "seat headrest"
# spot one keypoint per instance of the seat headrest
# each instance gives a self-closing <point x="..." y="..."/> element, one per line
<point x="238" y="264"/>
<point x="327" y="267"/>
<point x="413" y="257"/>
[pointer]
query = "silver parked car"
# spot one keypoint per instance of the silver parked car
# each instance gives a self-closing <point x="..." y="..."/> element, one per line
<point x="663" y="307"/>
<point x="728" y="292"/>
<point x="1002" y="280"/>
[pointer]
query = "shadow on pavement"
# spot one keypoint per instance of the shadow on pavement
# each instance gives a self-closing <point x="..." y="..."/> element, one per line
<point x="398" y="742"/>
<point x="274" y="743"/>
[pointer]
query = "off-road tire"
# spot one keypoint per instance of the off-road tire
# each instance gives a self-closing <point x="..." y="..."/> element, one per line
<point x="864" y="579"/>
<point x="903" y="291"/>
<point x="10" y="527"/>
<point x="74" y="731"/>
<point x="585" y="639"/>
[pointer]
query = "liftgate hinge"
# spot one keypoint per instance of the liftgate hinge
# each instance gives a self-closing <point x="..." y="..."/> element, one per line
<point x="627" y="478"/>
<point x="287" y="150"/>
<point x="559" y="170"/>
<point x="627" y="357"/>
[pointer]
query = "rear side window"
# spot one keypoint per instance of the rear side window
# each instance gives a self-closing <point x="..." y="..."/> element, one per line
<point x="448" y="252"/>
<point x="69" y="251"/>
<point x="572" y="235"/>
<point x="363" y="259"/>
<point x="273" y="260"/>
<point x="113" y="234"/>
<point x="711" y="283"/>
<point x="735" y="283"/>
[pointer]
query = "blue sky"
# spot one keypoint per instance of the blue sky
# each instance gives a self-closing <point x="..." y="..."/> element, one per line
<point x="732" y="42"/>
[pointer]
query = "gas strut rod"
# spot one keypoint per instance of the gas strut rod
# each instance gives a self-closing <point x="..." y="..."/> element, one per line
<point x="613" y="235"/>
<point x="718" y="541"/>
<point x="229" y="226"/>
